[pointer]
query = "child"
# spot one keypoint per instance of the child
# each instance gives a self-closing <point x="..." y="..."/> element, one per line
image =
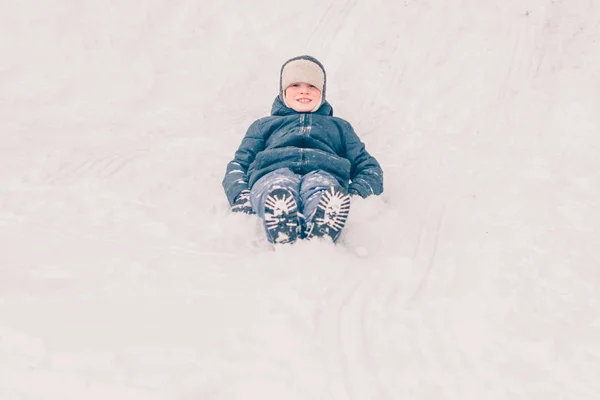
<point x="298" y="167"/>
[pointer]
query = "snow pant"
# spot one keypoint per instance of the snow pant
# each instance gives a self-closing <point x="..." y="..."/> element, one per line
<point x="306" y="189"/>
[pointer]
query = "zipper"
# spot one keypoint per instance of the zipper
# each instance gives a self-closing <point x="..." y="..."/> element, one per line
<point x="302" y="133"/>
<point x="302" y="124"/>
<point x="302" y="128"/>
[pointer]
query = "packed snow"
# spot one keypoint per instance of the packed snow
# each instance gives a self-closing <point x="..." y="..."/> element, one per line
<point x="124" y="275"/>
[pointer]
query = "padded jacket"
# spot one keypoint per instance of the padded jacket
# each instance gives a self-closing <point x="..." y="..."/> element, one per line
<point x="303" y="142"/>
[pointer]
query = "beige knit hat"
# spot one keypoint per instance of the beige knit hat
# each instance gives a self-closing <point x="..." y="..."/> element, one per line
<point x="303" y="69"/>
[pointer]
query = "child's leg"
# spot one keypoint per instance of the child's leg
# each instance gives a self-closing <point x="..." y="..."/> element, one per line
<point x="275" y="197"/>
<point x="313" y="186"/>
<point x="283" y="178"/>
<point x="326" y="204"/>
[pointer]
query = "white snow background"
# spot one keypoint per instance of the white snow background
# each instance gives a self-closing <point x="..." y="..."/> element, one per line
<point x="123" y="274"/>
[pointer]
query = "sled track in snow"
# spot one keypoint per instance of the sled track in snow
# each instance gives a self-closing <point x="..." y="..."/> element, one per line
<point x="101" y="168"/>
<point x="350" y="319"/>
<point x="340" y="326"/>
<point x="332" y="19"/>
<point x="28" y="228"/>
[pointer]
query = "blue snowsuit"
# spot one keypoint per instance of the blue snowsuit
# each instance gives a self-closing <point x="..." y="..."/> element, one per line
<point x="302" y="143"/>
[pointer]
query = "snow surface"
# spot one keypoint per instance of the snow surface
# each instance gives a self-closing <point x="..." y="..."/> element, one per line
<point x="123" y="275"/>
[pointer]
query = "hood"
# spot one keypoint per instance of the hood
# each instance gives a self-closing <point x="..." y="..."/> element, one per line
<point x="303" y="69"/>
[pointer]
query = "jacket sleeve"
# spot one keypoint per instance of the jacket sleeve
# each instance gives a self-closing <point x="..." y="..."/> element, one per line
<point x="366" y="174"/>
<point x="236" y="174"/>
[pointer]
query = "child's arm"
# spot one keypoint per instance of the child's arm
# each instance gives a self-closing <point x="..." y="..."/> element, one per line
<point x="236" y="175"/>
<point x="366" y="173"/>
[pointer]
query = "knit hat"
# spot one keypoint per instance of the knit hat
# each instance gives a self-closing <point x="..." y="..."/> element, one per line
<point x="303" y="69"/>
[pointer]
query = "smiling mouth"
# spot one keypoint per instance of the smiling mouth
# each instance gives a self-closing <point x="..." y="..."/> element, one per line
<point x="304" y="100"/>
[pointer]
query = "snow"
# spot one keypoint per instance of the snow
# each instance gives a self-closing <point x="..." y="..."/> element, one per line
<point x="123" y="274"/>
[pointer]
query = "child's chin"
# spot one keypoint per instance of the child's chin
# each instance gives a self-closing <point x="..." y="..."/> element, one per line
<point x="303" y="107"/>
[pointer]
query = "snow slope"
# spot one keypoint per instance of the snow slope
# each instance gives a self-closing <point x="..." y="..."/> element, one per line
<point x="123" y="274"/>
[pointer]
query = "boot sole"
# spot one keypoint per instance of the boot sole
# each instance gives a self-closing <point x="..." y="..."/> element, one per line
<point x="281" y="216"/>
<point x="331" y="215"/>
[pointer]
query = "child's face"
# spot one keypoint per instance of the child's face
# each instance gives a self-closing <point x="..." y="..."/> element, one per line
<point x="302" y="97"/>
